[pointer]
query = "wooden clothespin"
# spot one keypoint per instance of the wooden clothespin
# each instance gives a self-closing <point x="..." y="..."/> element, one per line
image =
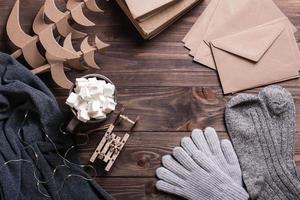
<point x="111" y="145"/>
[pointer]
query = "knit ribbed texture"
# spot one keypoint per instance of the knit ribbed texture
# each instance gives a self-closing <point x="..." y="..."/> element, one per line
<point x="280" y="105"/>
<point x="222" y="154"/>
<point x="197" y="171"/>
<point x="261" y="145"/>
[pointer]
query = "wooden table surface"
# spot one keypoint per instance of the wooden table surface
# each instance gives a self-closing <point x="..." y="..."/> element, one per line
<point x="156" y="80"/>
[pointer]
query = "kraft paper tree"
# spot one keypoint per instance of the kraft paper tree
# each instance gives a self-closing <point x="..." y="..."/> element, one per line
<point x="57" y="57"/>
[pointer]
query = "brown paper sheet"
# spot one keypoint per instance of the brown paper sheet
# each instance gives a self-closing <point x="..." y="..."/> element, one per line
<point x="157" y="23"/>
<point x="143" y="9"/>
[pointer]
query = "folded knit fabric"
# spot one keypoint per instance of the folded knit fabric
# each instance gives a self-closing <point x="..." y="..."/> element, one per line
<point x="259" y="129"/>
<point x="195" y="172"/>
<point x="280" y="106"/>
<point x="28" y="115"/>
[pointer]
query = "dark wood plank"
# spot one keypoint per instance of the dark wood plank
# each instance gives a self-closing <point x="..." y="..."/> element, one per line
<point x="155" y="79"/>
<point x="177" y="108"/>
<point x="170" y="108"/>
<point x="144" y="150"/>
<point x="134" y="188"/>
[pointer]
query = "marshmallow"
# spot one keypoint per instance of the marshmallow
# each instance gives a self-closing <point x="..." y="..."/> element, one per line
<point x="98" y="115"/>
<point x="109" y="106"/>
<point x="93" y="107"/>
<point x="81" y="85"/>
<point x="81" y="80"/>
<point x="83" y="116"/>
<point x="82" y="106"/>
<point x="101" y="82"/>
<point x="77" y="90"/>
<point x="73" y="99"/>
<point x="109" y="90"/>
<point x="101" y="99"/>
<point x="96" y="90"/>
<point x="92" y="80"/>
<point x="85" y="93"/>
<point x="92" y="98"/>
<point x="77" y="103"/>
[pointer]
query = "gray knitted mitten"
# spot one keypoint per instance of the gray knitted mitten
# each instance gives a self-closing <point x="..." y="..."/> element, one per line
<point x="221" y="153"/>
<point x="196" y="178"/>
<point x="255" y="140"/>
<point x="280" y="105"/>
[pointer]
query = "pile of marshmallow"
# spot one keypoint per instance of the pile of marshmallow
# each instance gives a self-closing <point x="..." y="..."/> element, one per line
<point x="92" y="98"/>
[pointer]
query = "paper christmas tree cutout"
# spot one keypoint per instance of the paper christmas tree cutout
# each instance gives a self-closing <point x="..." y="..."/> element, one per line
<point x="57" y="57"/>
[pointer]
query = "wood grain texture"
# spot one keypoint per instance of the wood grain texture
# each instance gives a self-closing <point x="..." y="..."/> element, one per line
<point x="138" y="188"/>
<point x="155" y="79"/>
<point x="143" y="152"/>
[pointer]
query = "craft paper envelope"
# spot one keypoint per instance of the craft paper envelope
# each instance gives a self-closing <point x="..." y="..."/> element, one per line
<point x="205" y="15"/>
<point x="141" y="9"/>
<point x="257" y="56"/>
<point x="243" y="14"/>
<point x="211" y="17"/>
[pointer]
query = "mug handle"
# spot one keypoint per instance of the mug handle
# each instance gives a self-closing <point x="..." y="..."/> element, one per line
<point x="72" y="124"/>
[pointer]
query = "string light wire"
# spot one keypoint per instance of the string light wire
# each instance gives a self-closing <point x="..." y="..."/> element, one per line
<point x="66" y="163"/>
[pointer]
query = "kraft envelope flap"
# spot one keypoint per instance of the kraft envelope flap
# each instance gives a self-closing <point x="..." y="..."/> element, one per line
<point x="252" y="43"/>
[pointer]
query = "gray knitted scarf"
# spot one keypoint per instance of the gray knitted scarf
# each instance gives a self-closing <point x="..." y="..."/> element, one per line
<point x="29" y="123"/>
